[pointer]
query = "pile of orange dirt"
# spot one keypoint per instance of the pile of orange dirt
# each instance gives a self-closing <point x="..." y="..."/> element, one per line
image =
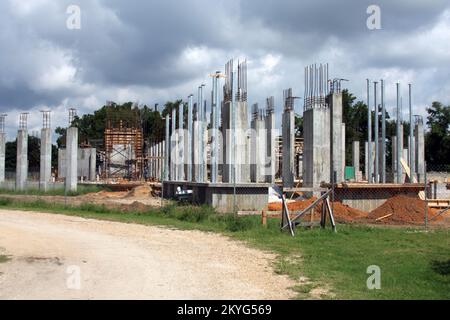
<point x="143" y="191"/>
<point x="345" y="214"/>
<point x="292" y="206"/>
<point x="402" y="210"/>
<point x="342" y="213"/>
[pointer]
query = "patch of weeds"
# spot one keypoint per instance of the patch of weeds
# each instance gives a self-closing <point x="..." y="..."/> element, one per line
<point x="441" y="267"/>
<point x="4" y="259"/>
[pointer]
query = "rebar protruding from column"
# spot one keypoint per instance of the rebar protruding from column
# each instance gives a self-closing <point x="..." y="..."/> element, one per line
<point x="316" y="86"/>
<point x="72" y="116"/>
<point x="2" y="122"/>
<point x="399" y="147"/>
<point x="383" y="135"/>
<point x="377" y="133"/>
<point x="242" y="82"/>
<point x="46" y="123"/>
<point x="369" y="135"/>
<point x="23" y="121"/>
<point x="412" y="155"/>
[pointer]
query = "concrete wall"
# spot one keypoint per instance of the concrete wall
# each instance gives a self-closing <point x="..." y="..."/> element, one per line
<point x="249" y="197"/>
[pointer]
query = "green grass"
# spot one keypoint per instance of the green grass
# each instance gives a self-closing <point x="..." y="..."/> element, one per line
<point x="414" y="264"/>
<point x="4" y="259"/>
<point x="82" y="190"/>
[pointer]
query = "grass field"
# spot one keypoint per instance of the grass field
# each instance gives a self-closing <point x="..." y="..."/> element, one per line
<point x="414" y="264"/>
<point x="82" y="190"/>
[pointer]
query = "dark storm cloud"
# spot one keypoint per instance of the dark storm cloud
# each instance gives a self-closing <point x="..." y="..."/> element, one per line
<point x="153" y="51"/>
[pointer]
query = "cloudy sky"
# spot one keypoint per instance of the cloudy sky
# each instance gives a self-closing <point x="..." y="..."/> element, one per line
<point x="154" y="51"/>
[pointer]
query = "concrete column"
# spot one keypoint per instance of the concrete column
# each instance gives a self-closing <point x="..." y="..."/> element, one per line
<point x="72" y="159"/>
<point x="2" y="156"/>
<point x="343" y="149"/>
<point x="22" y="160"/>
<point x="412" y="156"/>
<point x="46" y="159"/>
<point x="242" y="147"/>
<point x="196" y="148"/>
<point x="420" y="151"/>
<point x="316" y="157"/>
<point x="173" y="147"/>
<point x="227" y="148"/>
<point x="181" y="145"/>
<point x="270" y="147"/>
<point x="356" y="158"/>
<point x="93" y="165"/>
<point x="166" y="175"/>
<point x="289" y="148"/>
<point x="369" y="160"/>
<point x="400" y="147"/>
<point x="190" y="123"/>
<point x="336" y="116"/>
<point x="394" y="158"/>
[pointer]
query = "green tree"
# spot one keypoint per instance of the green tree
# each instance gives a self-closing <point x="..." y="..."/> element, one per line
<point x="437" y="144"/>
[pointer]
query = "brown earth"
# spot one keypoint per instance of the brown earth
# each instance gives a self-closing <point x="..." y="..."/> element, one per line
<point x="403" y="209"/>
<point x="63" y="257"/>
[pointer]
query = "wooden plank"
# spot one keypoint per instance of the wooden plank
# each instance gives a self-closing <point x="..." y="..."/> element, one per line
<point x="294" y="190"/>
<point x="385" y="217"/>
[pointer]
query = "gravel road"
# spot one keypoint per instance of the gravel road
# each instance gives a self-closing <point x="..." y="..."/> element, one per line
<point x="62" y="257"/>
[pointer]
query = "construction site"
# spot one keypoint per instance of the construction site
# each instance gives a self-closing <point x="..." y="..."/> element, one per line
<point x="238" y="159"/>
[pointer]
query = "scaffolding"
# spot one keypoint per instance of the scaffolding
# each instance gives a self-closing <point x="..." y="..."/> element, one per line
<point x="124" y="145"/>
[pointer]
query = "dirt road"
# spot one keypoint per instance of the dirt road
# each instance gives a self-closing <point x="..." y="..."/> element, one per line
<point x="61" y="257"/>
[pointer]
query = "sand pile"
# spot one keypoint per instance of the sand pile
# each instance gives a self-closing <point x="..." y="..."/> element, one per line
<point x="144" y="191"/>
<point x="403" y="209"/>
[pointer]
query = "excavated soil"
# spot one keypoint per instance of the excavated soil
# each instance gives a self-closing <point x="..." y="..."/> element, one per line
<point x="403" y="209"/>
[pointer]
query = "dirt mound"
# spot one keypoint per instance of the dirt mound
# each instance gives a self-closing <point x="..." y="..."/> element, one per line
<point x="292" y="206"/>
<point x="342" y="213"/>
<point x="346" y="214"/>
<point x="143" y="191"/>
<point x="135" y="207"/>
<point x="402" y="209"/>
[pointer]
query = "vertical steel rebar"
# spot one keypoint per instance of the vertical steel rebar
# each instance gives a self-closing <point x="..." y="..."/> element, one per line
<point x="377" y="134"/>
<point x="399" y="147"/>
<point x="383" y="135"/>
<point x="411" y="139"/>
<point x="369" y="135"/>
